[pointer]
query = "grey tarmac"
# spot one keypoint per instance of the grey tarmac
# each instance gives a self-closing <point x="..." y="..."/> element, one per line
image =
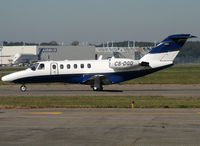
<point x="169" y="90"/>
<point x="100" y="127"/>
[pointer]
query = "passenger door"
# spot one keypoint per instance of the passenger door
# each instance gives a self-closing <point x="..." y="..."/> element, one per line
<point x="54" y="68"/>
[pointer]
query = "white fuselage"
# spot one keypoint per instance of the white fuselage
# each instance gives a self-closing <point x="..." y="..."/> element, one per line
<point x="74" y="67"/>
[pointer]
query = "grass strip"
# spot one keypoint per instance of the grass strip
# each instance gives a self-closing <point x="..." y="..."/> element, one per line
<point x="168" y="78"/>
<point x="97" y="102"/>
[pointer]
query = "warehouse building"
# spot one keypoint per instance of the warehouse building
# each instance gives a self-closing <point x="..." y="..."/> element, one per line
<point x="48" y="52"/>
<point x="67" y="52"/>
<point x="56" y="53"/>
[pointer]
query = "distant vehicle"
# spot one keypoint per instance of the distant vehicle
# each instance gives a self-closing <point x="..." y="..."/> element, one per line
<point x="21" y="58"/>
<point x="97" y="73"/>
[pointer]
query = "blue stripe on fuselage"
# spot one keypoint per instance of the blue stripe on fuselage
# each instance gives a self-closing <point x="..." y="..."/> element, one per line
<point x="115" y="77"/>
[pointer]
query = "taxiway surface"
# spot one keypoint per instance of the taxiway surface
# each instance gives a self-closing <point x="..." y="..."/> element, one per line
<point x="99" y="127"/>
<point x="170" y="90"/>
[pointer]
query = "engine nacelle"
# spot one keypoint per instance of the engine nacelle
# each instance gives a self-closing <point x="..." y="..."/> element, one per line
<point x="122" y="63"/>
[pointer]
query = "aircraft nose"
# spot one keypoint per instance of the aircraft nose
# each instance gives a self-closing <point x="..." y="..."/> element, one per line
<point x="6" y="78"/>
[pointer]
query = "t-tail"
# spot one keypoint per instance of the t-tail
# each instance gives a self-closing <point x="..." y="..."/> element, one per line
<point x="165" y="52"/>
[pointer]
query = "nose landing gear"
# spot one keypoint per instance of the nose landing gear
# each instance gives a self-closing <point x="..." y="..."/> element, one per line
<point x="23" y="88"/>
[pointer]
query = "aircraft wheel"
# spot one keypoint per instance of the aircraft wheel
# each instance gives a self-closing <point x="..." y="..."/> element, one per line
<point x="97" y="89"/>
<point x="23" y="88"/>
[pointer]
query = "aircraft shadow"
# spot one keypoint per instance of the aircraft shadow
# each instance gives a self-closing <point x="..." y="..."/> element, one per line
<point x="114" y="91"/>
<point x="111" y="91"/>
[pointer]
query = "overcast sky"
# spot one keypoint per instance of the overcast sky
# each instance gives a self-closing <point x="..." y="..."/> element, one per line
<point x="97" y="20"/>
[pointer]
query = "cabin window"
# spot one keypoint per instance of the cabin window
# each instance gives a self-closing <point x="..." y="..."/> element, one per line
<point x="89" y="65"/>
<point x="75" y="66"/>
<point x="68" y="66"/>
<point x="82" y="65"/>
<point x="61" y="66"/>
<point x="41" y="66"/>
<point x="34" y="66"/>
<point x="54" y="66"/>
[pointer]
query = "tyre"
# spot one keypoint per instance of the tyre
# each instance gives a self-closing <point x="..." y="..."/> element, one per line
<point x="98" y="89"/>
<point x="23" y="88"/>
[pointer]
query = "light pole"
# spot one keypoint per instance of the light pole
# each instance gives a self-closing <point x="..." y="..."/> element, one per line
<point x="1" y="48"/>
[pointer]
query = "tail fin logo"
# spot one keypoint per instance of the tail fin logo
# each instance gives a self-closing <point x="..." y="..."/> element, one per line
<point x="171" y="43"/>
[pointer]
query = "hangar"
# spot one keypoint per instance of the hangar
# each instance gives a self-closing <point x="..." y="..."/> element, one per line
<point x="56" y="53"/>
<point x="48" y="52"/>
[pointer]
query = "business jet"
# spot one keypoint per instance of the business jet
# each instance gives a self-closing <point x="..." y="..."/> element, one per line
<point x="98" y="73"/>
<point x="21" y="58"/>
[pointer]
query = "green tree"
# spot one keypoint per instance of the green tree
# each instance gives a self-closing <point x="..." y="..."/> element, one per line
<point x="75" y="43"/>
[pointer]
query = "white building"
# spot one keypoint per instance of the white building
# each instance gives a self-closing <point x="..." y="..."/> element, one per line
<point x="68" y="52"/>
<point x="7" y="52"/>
<point x="48" y="52"/>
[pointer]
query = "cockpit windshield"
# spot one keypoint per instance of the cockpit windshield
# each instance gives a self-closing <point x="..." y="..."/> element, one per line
<point x="34" y="66"/>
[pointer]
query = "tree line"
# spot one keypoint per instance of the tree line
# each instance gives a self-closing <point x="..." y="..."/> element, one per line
<point x="51" y="43"/>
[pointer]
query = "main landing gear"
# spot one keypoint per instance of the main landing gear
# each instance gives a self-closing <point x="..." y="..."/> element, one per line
<point x="23" y="88"/>
<point x="97" y="88"/>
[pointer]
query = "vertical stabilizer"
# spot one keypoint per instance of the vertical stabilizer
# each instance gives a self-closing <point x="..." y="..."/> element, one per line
<point x="165" y="52"/>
